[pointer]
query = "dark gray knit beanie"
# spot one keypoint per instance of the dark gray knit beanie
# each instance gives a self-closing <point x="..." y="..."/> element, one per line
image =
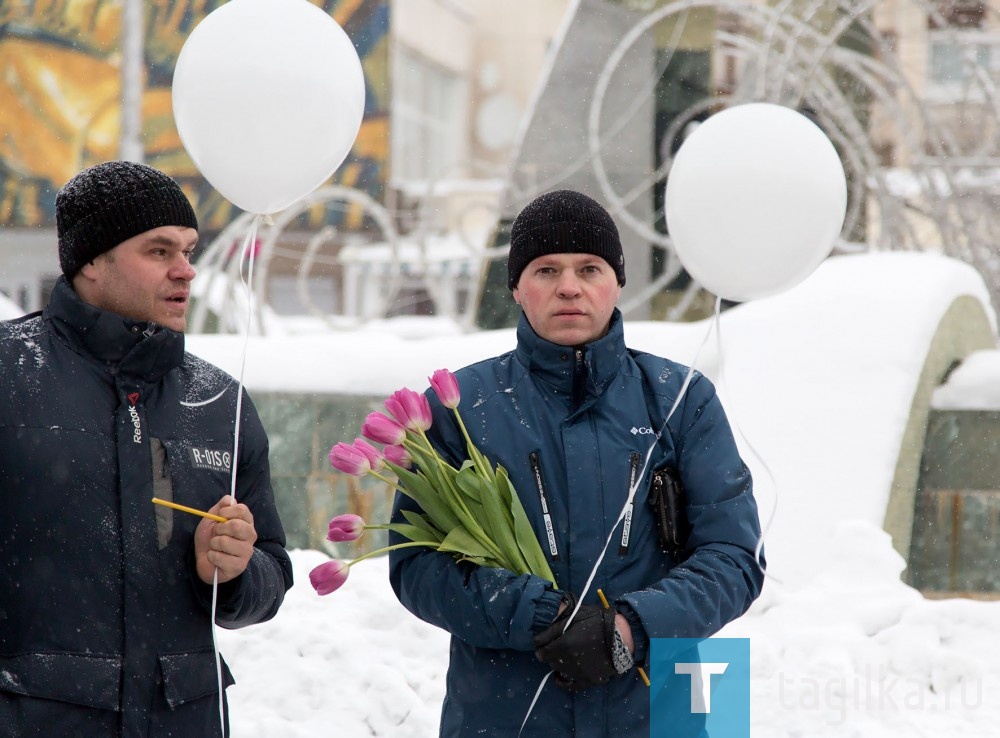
<point x="110" y="203"/>
<point x="563" y="222"/>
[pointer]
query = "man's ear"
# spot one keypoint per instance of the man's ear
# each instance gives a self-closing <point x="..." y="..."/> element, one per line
<point x="88" y="270"/>
<point x="517" y="295"/>
<point x="89" y="274"/>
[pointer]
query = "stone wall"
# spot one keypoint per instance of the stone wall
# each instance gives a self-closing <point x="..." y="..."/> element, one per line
<point x="956" y="529"/>
<point x="964" y="328"/>
<point x="308" y="491"/>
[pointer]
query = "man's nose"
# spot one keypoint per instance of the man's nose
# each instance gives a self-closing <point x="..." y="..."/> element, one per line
<point x="183" y="269"/>
<point x="569" y="284"/>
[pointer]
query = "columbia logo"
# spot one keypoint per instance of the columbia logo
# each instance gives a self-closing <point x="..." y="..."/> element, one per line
<point x="643" y="431"/>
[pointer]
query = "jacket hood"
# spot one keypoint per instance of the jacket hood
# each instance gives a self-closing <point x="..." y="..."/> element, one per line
<point x="139" y="349"/>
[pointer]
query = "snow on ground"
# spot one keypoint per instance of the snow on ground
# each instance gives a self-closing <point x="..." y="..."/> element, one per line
<point x="9" y="309"/>
<point x="818" y="383"/>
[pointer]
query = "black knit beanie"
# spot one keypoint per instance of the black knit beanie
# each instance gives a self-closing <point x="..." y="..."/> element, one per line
<point x="563" y="222"/>
<point x="110" y="203"/>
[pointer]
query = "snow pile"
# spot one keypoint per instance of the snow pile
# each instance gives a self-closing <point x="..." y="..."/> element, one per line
<point x="818" y="383"/>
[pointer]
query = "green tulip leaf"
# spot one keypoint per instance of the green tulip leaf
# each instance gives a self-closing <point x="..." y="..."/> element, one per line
<point x="420" y="521"/>
<point x="526" y="539"/>
<point x="421" y="491"/>
<point x="416" y="533"/>
<point x="460" y="541"/>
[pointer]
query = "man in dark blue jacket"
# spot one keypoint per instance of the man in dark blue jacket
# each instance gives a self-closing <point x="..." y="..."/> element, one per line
<point x="573" y="414"/>
<point x="106" y="598"/>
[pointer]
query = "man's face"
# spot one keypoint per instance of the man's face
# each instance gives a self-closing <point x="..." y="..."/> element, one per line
<point x="146" y="278"/>
<point x="568" y="298"/>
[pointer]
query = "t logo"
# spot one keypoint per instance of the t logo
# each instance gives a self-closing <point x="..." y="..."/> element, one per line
<point x="699" y="687"/>
<point x="133" y="398"/>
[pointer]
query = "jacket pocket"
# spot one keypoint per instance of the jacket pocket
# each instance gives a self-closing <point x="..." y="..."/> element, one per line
<point x="199" y="471"/>
<point x="543" y="501"/>
<point x="162" y="489"/>
<point x="91" y="681"/>
<point x="633" y="470"/>
<point x="191" y="676"/>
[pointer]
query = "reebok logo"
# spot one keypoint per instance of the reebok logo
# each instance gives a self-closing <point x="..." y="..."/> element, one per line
<point x="133" y="398"/>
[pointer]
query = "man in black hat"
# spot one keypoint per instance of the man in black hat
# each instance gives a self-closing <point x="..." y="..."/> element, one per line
<point x="577" y="419"/>
<point x="105" y="598"/>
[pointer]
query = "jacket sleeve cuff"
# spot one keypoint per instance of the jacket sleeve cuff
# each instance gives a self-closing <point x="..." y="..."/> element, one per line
<point x="546" y="609"/>
<point x="640" y="639"/>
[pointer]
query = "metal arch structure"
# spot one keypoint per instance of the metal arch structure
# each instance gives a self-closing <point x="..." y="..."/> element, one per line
<point x="222" y="291"/>
<point x="790" y="53"/>
<point x="933" y="193"/>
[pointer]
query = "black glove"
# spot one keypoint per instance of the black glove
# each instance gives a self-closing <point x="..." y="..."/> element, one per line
<point x="582" y="656"/>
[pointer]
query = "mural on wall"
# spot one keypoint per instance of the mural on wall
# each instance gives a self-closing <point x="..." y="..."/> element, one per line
<point x="61" y="93"/>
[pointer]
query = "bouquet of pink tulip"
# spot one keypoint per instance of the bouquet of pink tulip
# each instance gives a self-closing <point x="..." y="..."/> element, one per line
<point x="471" y="512"/>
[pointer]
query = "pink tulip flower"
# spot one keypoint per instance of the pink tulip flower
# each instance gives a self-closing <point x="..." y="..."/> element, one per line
<point x="375" y="460"/>
<point x="398" y="455"/>
<point x="345" y="528"/>
<point x="382" y="429"/>
<point x="329" y="577"/>
<point x="410" y="408"/>
<point x="349" y="459"/>
<point x="445" y="386"/>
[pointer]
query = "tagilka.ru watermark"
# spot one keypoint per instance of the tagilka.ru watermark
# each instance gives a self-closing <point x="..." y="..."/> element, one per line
<point x="873" y="689"/>
<point x="701" y="687"/>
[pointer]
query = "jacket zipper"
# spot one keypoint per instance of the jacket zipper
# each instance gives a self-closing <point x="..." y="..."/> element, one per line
<point x="633" y="468"/>
<point x="550" y="533"/>
<point x="579" y="373"/>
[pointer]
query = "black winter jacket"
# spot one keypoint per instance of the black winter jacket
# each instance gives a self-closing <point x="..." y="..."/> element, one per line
<point x="104" y="625"/>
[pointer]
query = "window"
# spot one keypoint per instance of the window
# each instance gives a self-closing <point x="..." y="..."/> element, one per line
<point x="957" y="60"/>
<point x="428" y="118"/>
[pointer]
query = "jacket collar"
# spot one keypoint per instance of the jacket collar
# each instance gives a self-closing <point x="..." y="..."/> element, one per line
<point x="138" y="349"/>
<point x="554" y="364"/>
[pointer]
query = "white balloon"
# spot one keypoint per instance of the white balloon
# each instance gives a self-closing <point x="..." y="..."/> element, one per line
<point x="268" y="97"/>
<point x="754" y="201"/>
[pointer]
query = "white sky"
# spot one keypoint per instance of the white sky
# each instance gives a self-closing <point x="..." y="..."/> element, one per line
<point x="818" y="383"/>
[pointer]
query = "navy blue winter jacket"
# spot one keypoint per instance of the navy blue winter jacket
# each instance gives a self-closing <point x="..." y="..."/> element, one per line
<point x="104" y="625"/>
<point x="578" y="423"/>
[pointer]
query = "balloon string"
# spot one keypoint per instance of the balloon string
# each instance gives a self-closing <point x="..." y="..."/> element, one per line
<point x="759" y="548"/>
<point x="249" y="247"/>
<point x="631" y="496"/>
<point x="531" y="707"/>
<point x="215" y="649"/>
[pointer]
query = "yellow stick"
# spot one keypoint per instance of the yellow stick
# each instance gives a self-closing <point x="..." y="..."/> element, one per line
<point x="185" y="508"/>
<point x="607" y="606"/>
<point x="642" y="673"/>
<point x="604" y="600"/>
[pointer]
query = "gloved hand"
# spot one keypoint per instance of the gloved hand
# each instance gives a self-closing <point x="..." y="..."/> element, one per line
<point x="582" y="656"/>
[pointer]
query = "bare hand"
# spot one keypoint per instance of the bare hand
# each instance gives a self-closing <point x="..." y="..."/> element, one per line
<point x="622" y="624"/>
<point x="224" y="546"/>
